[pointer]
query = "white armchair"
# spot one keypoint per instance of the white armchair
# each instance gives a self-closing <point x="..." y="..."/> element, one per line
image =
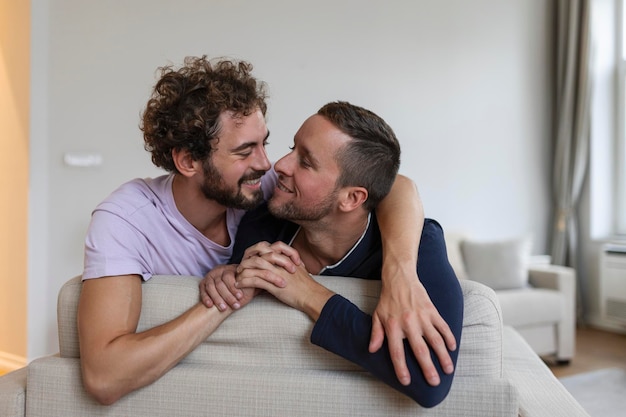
<point x="542" y="310"/>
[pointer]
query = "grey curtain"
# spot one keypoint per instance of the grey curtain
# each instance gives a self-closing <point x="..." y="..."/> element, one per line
<point x="571" y="147"/>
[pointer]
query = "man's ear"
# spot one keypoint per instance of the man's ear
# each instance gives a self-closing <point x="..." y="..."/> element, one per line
<point x="352" y="198"/>
<point x="184" y="163"/>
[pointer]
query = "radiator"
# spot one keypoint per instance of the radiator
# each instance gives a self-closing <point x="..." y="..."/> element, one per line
<point x="613" y="283"/>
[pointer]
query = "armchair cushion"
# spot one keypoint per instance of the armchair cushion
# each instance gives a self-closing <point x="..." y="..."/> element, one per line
<point x="500" y="265"/>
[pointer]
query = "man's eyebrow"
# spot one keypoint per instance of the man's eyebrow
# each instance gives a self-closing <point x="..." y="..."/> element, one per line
<point x="250" y="144"/>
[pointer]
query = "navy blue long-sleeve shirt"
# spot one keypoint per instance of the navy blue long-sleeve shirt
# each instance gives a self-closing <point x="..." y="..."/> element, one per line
<point x="343" y="328"/>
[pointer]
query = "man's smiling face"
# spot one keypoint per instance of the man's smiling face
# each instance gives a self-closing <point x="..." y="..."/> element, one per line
<point x="232" y="174"/>
<point x="307" y="176"/>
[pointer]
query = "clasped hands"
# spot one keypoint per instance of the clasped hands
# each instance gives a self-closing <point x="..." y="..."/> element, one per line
<point x="268" y="267"/>
<point x="278" y="269"/>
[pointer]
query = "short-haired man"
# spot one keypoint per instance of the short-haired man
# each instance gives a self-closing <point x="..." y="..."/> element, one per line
<point x="205" y="124"/>
<point x="344" y="161"/>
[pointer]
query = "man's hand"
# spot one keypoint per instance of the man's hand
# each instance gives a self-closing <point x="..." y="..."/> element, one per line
<point x="281" y="254"/>
<point x="218" y="288"/>
<point x="300" y="291"/>
<point x="406" y="311"/>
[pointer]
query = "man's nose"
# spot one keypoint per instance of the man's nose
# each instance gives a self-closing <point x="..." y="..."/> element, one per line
<point x="262" y="163"/>
<point x="283" y="165"/>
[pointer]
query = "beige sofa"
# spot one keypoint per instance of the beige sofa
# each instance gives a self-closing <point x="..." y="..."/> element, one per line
<point x="260" y="363"/>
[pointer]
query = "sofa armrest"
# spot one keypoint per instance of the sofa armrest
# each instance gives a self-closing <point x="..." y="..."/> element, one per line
<point x="13" y="393"/>
<point x="563" y="280"/>
<point x="540" y="392"/>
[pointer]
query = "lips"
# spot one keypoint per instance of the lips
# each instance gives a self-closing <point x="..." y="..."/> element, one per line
<point x="254" y="181"/>
<point x="282" y="187"/>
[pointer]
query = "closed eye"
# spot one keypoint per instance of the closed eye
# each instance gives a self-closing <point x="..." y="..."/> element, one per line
<point x="304" y="163"/>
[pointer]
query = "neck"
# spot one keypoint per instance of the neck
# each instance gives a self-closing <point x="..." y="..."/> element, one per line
<point x="206" y="215"/>
<point x="324" y="244"/>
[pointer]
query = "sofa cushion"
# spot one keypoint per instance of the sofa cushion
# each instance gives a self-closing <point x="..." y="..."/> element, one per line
<point x="267" y="333"/>
<point x="500" y="265"/>
<point x="55" y="389"/>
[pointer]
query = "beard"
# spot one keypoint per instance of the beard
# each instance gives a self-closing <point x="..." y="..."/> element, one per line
<point x="214" y="188"/>
<point x="306" y="213"/>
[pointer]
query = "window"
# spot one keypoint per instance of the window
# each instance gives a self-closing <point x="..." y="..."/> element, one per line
<point x="607" y="175"/>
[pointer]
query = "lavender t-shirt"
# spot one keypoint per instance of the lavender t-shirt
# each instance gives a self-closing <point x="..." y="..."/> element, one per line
<point x="138" y="230"/>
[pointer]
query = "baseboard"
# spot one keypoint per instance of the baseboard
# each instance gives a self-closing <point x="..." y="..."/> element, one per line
<point x="11" y="362"/>
<point x="594" y="320"/>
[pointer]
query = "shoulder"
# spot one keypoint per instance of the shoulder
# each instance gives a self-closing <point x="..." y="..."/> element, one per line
<point x="136" y="194"/>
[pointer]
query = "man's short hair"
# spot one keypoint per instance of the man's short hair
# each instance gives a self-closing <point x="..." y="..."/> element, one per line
<point x="184" y="110"/>
<point x="372" y="158"/>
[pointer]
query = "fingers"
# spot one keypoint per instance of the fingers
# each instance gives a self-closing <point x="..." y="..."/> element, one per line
<point x="419" y="338"/>
<point x="378" y="334"/>
<point x="447" y="334"/>
<point x="204" y="293"/>
<point x="278" y="253"/>
<point x="208" y="295"/>
<point x="265" y="267"/>
<point x="436" y="339"/>
<point x="218" y="288"/>
<point x="395" y="341"/>
<point x="257" y="250"/>
<point x="260" y="274"/>
<point x="432" y="335"/>
<point x="226" y="290"/>
<point x="289" y="252"/>
<point x="422" y="354"/>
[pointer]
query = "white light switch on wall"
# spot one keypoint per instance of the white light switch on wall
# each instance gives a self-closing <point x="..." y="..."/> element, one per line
<point x="82" y="159"/>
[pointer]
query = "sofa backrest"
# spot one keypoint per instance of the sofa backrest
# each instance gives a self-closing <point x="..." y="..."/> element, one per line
<point x="269" y="333"/>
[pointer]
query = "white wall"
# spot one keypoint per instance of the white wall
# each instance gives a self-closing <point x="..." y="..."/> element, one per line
<point x="465" y="85"/>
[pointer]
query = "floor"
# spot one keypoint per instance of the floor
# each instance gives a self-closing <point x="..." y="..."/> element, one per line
<point x="595" y="349"/>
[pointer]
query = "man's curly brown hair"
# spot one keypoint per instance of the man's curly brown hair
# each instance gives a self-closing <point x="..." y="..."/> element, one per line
<point x="184" y="109"/>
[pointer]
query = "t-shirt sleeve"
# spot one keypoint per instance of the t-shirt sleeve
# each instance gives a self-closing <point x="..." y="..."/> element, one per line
<point x="113" y="247"/>
<point x="345" y="330"/>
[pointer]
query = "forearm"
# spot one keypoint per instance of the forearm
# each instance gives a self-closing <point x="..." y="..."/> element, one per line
<point x="134" y="360"/>
<point x="400" y="218"/>
<point x="344" y="330"/>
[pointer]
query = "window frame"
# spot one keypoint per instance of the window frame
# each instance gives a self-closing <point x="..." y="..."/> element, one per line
<point x="620" y="137"/>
